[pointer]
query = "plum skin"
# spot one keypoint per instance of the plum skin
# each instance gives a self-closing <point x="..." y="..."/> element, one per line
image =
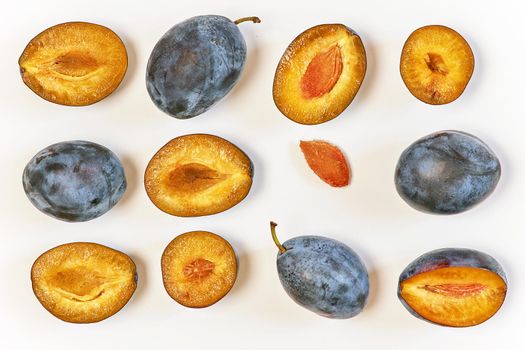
<point x="194" y="65"/>
<point x="448" y="257"/>
<point x="74" y="181"/>
<point x="324" y="276"/>
<point x="447" y="172"/>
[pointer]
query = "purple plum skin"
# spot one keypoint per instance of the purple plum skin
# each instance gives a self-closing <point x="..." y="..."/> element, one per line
<point x="324" y="276"/>
<point x="194" y="65"/>
<point x="74" y="181"/>
<point x="447" y="172"/>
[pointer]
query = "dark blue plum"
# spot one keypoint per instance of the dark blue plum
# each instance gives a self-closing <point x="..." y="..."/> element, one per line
<point x="194" y="65"/>
<point x="323" y="275"/>
<point x="74" y="181"/>
<point x="447" y="172"/>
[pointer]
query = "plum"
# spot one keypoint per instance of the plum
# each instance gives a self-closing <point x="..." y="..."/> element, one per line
<point x="74" y="180"/>
<point x="83" y="282"/>
<point x="198" y="268"/>
<point x="436" y="64"/>
<point x="195" y="64"/>
<point x="198" y="174"/>
<point x="319" y="74"/>
<point x="323" y="275"/>
<point x="74" y="63"/>
<point x="447" y="172"/>
<point x="453" y="287"/>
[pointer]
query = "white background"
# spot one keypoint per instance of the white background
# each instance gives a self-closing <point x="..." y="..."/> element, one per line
<point x="368" y="215"/>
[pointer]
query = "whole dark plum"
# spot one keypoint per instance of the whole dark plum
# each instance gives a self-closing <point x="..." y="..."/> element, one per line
<point x="74" y="180"/>
<point x="195" y="64"/>
<point x="447" y="172"/>
<point x="323" y="275"/>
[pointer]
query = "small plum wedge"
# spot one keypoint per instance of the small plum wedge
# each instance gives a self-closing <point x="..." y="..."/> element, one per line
<point x="327" y="161"/>
<point x="319" y="74"/>
<point x="436" y="64"/>
<point x="74" y="63"/>
<point x="198" y="268"/>
<point x="453" y="287"/>
<point x="83" y="282"/>
<point x="322" y="275"/>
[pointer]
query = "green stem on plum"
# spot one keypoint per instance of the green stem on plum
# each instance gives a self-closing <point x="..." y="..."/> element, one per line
<point x="274" y="236"/>
<point x="246" y="19"/>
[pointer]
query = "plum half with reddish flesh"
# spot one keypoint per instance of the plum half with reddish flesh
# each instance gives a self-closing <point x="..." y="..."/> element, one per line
<point x="436" y="64"/>
<point x="453" y="287"/>
<point x="83" y="282"/>
<point x="319" y="74"/>
<point x="74" y="63"/>
<point x="198" y="268"/>
<point x="199" y="174"/>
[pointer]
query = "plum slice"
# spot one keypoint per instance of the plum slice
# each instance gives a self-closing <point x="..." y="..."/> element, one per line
<point x="198" y="268"/>
<point x="436" y="64"/>
<point x="319" y="74"/>
<point x="199" y="174"/>
<point x="83" y="282"/>
<point x="74" y="63"/>
<point x="453" y="287"/>
<point x="327" y="161"/>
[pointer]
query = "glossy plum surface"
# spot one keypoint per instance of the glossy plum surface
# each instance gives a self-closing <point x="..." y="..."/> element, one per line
<point x="194" y="65"/>
<point x="324" y="276"/>
<point x="447" y="172"/>
<point x="74" y="180"/>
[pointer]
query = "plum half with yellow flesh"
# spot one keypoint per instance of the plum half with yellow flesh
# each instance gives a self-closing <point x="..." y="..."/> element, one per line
<point x="74" y="63"/>
<point x="198" y="174"/>
<point x="83" y="282"/>
<point x="319" y="74"/>
<point x="453" y="287"/>
<point x="436" y="64"/>
<point x="198" y="268"/>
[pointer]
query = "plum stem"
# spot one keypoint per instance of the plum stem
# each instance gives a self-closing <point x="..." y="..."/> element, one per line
<point x="246" y="19"/>
<point x="274" y="236"/>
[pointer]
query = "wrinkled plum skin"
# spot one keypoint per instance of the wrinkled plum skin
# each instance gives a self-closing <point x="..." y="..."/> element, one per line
<point x="448" y="257"/>
<point x="324" y="276"/>
<point x="74" y="180"/>
<point x="194" y="65"/>
<point x="447" y="173"/>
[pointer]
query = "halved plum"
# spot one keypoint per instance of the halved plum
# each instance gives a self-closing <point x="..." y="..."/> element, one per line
<point x="74" y="63"/>
<point x="453" y="287"/>
<point x="198" y="268"/>
<point x="198" y="174"/>
<point x="319" y="74"/>
<point x="436" y="64"/>
<point x="83" y="282"/>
